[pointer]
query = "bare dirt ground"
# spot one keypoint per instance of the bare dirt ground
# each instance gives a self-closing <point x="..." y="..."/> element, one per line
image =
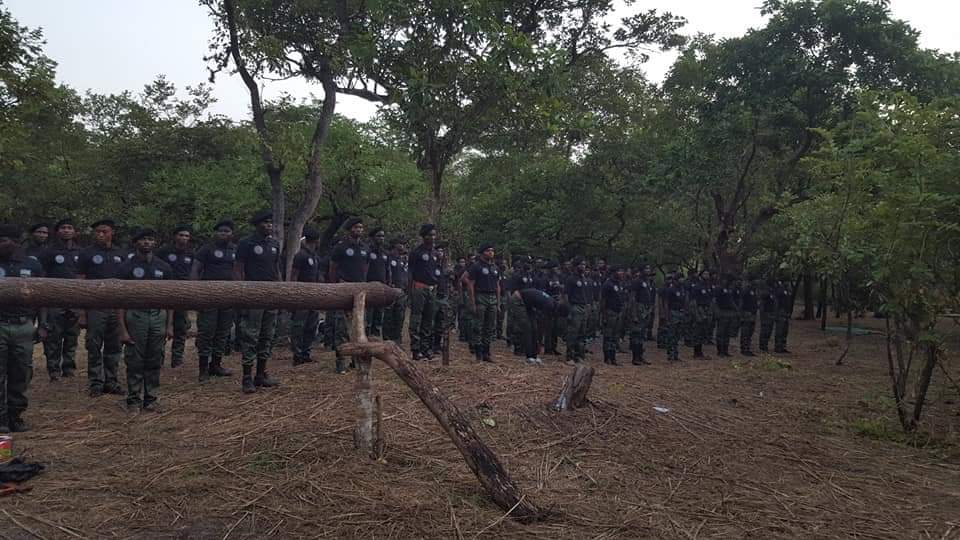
<point x="760" y="449"/>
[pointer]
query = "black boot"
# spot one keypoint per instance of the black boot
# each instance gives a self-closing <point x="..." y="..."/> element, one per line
<point x="247" y="383"/>
<point x="204" y="373"/>
<point x="486" y="354"/>
<point x="698" y="351"/>
<point x="18" y="425"/>
<point x="637" y="359"/>
<point x="263" y="378"/>
<point x="217" y="370"/>
<point x="613" y="358"/>
<point x="341" y="369"/>
<point x="478" y="352"/>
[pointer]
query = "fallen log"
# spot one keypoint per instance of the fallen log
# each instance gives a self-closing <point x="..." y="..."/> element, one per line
<point x="190" y="295"/>
<point x="481" y="460"/>
<point x="573" y="395"/>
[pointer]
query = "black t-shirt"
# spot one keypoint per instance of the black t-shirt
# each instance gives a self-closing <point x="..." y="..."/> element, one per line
<point x="701" y="293"/>
<point x="423" y="265"/>
<point x="554" y="286"/>
<point x="784" y="297"/>
<point x="577" y="290"/>
<point x="485" y="277"/>
<point x="19" y="266"/>
<point x="446" y="282"/>
<point x="516" y="282"/>
<point x="307" y="265"/>
<point x="379" y="267"/>
<point x="260" y="257"/>
<point x="612" y="294"/>
<point x="673" y="297"/>
<point x="33" y="250"/>
<point x="643" y="292"/>
<point x="725" y="298"/>
<point x="60" y="261"/>
<point x="768" y="302"/>
<point x="179" y="261"/>
<point x="748" y="300"/>
<point x="217" y="262"/>
<point x="140" y="269"/>
<point x="399" y="272"/>
<point x="351" y="259"/>
<point x="538" y="300"/>
<point x="97" y="262"/>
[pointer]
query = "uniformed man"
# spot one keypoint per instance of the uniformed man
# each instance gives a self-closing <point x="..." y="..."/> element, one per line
<point x="483" y="285"/>
<point x="458" y="270"/>
<point x="518" y="280"/>
<point x="304" y="322"/>
<point x="784" y="313"/>
<point x="144" y="331"/>
<point x="446" y="286"/>
<point x="423" y="293"/>
<point x="348" y="264"/>
<point x="701" y="304"/>
<point x="377" y="270"/>
<point x="553" y="325"/>
<point x="612" y="303"/>
<point x="180" y="257"/>
<point x="673" y="305"/>
<point x="577" y="296"/>
<point x="726" y="302"/>
<point x="399" y="276"/>
<point x="503" y="318"/>
<point x="469" y="320"/>
<point x="214" y="262"/>
<point x="768" y="313"/>
<point x="258" y="259"/>
<point x="37" y="243"/>
<point x="101" y="261"/>
<point x="642" y="307"/>
<point x="748" y="315"/>
<point x="62" y="328"/>
<point x="16" y="335"/>
<point x="538" y="306"/>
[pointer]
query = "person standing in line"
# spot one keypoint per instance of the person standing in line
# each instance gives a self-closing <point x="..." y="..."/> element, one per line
<point x="348" y="264"/>
<point x="258" y="259"/>
<point x="180" y="257"/>
<point x="577" y="296"/>
<point x="62" y="328"/>
<point x="483" y="284"/>
<point x="748" y="315"/>
<point x="423" y="293"/>
<point x="378" y="270"/>
<point x="304" y="322"/>
<point x="673" y="304"/>
<point x="101" y="261"/>
<point x="214" y="262"/>
<point x="399" y="276"/>
<point x="144" y="331"/>
<point x="38" y="241"/>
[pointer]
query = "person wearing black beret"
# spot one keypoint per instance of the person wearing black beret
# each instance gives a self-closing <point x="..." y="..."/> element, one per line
<point x="59" y="261"/>
<point x="483" y="286"/>
<point x="179" y="255"/>
<point x="348" y="264"/>
<point x="214" y="262"/>
<point x="258" y="259"/>
<point x="304" y="323"/>
<point x="38" y="240"/>
<point x="424" y="274"/>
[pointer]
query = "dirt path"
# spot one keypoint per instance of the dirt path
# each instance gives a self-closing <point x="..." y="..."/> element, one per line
<point x="748" y="449"/>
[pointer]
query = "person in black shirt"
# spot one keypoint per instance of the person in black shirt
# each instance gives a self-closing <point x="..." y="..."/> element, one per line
<point x="443" y="318"/>
<point x="553" y="326"/>
<point x="503" y="316"/>
<point x="483" y="284"/>
<point x="642" y="306"/>
<point x="377" y="270"/>
<point x="399" y="277"/>
<point x="59" y="260"/>
<point x="784" y="312"/>
<point x="258" y="259"/>
<point x="37" y="243"/>
<point x="768" y="312"/>
<point x="180" y="258"/>
<point x="538" y="306"/>
<point x="748" y="315"/>
<point x="101" y="261"/>
<point x="304" y="322"/>
<point x="214" y="262"/>
<point x="612" y="302"/>
<point x="701" y="304"/>
<point x="577" y="296"/>
<point x="143" y="331"/>
<point x="423" y="293"/>
<point x="516" y="318"/>
<point x="727" y="307"/>
<point x="16" y="335"/>
<point x="348" y="264"/>
<point x="673" y="304"/>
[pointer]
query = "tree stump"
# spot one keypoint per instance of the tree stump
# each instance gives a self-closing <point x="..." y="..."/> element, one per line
<point x="575" y="388"/>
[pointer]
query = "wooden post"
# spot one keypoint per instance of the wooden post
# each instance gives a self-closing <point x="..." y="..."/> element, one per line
<point x="481" y="460"/>
<point x="445" y="347"/>
<point x="364" y="436"/>
<point x="573" y="395"/>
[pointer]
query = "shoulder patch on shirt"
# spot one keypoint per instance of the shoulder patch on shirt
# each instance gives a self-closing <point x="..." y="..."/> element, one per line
<point x="172" y="257"/>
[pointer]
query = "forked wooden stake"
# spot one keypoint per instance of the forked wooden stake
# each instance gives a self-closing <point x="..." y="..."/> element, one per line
<point x="365" y="437"/>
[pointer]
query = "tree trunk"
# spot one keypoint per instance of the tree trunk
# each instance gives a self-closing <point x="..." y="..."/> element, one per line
<point x="481" y="460"/>
<point x="808" y="311"/>
<point x="189" y="295"/>
<point x="575" y="389"/>
<point x="926" y="375"/>
<point x="824" y="285"/>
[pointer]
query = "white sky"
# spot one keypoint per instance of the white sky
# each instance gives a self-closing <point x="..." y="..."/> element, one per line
<point x="114" y="45"/>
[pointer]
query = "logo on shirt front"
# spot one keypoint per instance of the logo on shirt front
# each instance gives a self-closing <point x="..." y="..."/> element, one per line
<point x="616" y="288"/>
<point x="579" y="284"/>
<point x="436" y="271"/>
<point x="25" y="272"/>
<point x="310" y="261"/>
<point x="349" y="252"/>
<point x="60" y="259"/>
<point x="485" y="271"/>
<point x="139" y="272"/>
<point x="258" y="250"/>
<point x="273" y="249"/>
<point x="172" y="257"/>
<point x="97" y="259"/>
<point x="218" y="254"/>
<point x="393" y="263"/>
<point x="425" y="257"/>
<point x="373" y="256"/>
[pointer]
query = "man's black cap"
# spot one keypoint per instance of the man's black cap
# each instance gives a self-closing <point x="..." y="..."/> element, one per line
<point x="141" y="232"/>
<point x="9" y="230"/>
<point x="261" y="216"/>
<point x="225" y="222"/>
<point x="182" y="227"/>
<point x="36" y="226"/>
<point x="64" y="221"/>
<point x="311" y="234"/>
<point x="484" y="247"/>
<point x="351" y="222"/>
<point x="426" y="228"/>
<point x="110" y="222"/>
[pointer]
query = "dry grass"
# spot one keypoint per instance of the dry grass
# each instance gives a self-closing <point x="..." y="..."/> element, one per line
<point x="745" y="451"/>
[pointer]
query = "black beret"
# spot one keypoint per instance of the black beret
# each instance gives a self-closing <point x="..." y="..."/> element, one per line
<point x="36" y="226"/>
<point x="140" y="232"/>
<point x="484" y="247"/>
<point x="64" y="221"/>
<point x="9" y="230"/>
<point x="105" y="221"/>
<point x="426" y="228"/>
<point x="311" y="234"/>
<point x="182" y="227"/>
<point x="375" y="230"/>
<point x="225" y="222"/>
<point x="261" y="216"/>
<point x="351" y="222"/>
